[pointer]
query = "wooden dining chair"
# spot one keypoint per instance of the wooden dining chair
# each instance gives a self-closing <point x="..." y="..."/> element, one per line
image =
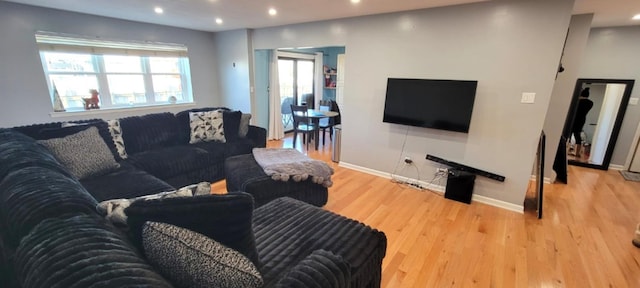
<point x="302" y="124"/>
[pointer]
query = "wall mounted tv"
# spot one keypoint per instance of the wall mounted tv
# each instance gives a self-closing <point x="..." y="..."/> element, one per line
<point x="438" y="104"/>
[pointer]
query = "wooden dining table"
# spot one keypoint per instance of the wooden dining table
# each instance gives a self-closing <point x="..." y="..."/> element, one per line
<point x="315" y="115"/>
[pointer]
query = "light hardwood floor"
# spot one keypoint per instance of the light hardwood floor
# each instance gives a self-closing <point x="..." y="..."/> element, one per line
<point x="584" y="239"/>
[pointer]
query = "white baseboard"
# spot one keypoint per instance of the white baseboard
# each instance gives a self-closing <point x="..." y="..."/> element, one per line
<point x="498" y="203"/>
<point x="547" y="180"/>
<point x="437" y="188"/>
<point x="364" y="170"/>
<point x="616" y="167"/>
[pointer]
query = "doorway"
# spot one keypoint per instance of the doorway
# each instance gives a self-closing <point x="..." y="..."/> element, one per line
<point x="301" y="86"/>
<point x="296" y="86"/>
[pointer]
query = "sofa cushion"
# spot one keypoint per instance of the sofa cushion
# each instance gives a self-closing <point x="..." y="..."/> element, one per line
<point x="191" y="259"/>
<point x="148" y="132"/>
<point x="32" y="194"/>
<point x="237" y="147"/>
<point x="7" y="275"/>
<point x="84" y="153"/>
<point x="284" y="223"/>
<point x="124" y="182"/>
<point x="320" y="269"/>
<point x="81" y="251"/>
<point x="34" y="130"/>
<point x="168" y="162"/>
<point x="241" y="146"/>
<point x="18" y="151"/>
<point x="7" y="135"/>
<point x="206" y="126"/>
<point x="224" y="218"/>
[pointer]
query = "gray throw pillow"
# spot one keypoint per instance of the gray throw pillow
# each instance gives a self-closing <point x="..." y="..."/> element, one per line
<point x="244" y="125"/>
<point x="84" y="153"/>
<point x="190" y="259"/>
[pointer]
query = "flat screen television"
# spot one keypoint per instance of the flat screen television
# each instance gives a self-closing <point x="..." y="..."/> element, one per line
<point x="438" y="104"/>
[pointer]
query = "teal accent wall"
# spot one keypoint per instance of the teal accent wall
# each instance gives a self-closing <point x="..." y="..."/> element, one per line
<point x="261" y="62"/>
<point x="330" y="58"/>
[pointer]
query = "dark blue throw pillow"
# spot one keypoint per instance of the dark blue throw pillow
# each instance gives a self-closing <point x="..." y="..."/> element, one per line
<point x="224" y="218"/>
<point x="231" y="121"/>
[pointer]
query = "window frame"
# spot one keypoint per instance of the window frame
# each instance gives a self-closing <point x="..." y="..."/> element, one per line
<point x="57" y="43"/>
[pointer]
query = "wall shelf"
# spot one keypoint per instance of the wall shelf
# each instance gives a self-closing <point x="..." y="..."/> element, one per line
<point x="330" y="80"/>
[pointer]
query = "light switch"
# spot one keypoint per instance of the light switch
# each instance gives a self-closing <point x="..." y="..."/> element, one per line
<point x="528" y="98"/>
<point x="633" y="101"/>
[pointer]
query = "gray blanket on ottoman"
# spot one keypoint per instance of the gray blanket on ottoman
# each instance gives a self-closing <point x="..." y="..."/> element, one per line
<point x="285" y="164"/>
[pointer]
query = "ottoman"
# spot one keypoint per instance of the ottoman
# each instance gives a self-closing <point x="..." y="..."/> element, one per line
<point x="243" y="173"/>
<point x="286" y="230"/>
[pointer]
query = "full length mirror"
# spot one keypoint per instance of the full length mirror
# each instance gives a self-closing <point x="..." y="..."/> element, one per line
<point x="593" y="124"/>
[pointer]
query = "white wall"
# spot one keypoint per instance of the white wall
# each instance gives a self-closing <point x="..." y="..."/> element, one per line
<point x="596" y="95"/>
<point x="563" y="88"/>
<point x="612" y="53"/>
<point x="510" y="47"/>
<point x="25" y="96"/>
<point x="233" y="69"/>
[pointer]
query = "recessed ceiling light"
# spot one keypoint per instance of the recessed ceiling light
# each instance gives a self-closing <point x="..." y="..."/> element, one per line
<point x="355" y="1"/>
<point x="219" y="21"/>
<point x="159" y="10"/>
<point x="273" y="11"/>
<point x="636" y="17"/>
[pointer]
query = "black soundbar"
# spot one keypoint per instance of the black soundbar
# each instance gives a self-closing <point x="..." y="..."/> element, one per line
<point x="466" y="168"/>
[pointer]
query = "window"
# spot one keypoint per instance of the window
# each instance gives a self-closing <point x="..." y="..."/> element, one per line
<point x="125" y="74"/>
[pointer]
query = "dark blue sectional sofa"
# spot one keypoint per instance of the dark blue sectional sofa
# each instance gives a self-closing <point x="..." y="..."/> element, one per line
<point x="51" y="234"/>
<point x="160" y="156"/>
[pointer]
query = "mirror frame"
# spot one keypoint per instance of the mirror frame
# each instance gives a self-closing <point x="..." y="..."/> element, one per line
<point x="616" y="127"/>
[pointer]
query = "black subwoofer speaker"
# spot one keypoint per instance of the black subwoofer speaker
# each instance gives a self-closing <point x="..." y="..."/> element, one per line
<point x="460" y="186"/>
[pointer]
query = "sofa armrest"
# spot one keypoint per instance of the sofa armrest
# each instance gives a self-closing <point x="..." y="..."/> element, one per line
<point x="319" y="269"/>
<point x="258" y="135"/>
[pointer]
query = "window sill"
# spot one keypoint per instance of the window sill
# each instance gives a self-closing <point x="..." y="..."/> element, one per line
<point x="112" y="110"/>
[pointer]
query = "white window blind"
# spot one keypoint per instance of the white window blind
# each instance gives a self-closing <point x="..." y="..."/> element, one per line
<point x="54" y="42"/>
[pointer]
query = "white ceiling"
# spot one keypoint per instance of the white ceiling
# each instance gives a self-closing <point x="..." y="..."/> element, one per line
<point x="237" y="14"/>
